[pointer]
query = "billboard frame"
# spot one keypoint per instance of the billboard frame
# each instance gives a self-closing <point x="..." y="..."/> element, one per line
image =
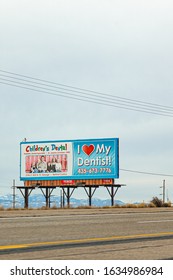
<point x="114" y="174"/>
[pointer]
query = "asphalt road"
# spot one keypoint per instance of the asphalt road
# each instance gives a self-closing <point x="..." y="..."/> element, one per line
<point x="87" y="234"/>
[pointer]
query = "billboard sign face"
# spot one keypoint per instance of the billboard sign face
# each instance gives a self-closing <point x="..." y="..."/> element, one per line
<point x="69" y="160"/>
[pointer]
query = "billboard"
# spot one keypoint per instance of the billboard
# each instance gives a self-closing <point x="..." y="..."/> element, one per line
<point x="69" y="159"/>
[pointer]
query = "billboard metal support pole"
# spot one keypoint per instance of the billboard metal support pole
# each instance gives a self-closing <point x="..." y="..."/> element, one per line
<point x="112" y="196"/>
<point x="47" y="193"/>
<point x="68" y="194"/>
<point x="90" y="196"/>
<point x="90" y="193"/>
<point x="47" y="197"/>
<point x="26" y="198"/>
<point x="63" y="199"/>
<point x="68" y="197"/>
<point x="113" y="192"/>
<point x="26" y="193"/>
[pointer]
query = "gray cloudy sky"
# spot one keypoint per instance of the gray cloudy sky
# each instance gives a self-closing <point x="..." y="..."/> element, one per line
<point x="117" y="47"/>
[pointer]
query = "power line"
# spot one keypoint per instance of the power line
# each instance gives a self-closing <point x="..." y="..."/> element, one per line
<point x="48" y="87"/>
<point x="81" y="90"/>
<point x="84" y="94"/>
<point x="76" y="93"/>
<point x="86" y="90"/>
<point x="147" y="173"/>
<point x="95" y="102"/>
<point x="83" y="98"/>
<point x="131" y="171"/>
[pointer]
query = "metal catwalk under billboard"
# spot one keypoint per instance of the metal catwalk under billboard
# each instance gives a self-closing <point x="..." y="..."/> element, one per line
<point x="69" y="159"/>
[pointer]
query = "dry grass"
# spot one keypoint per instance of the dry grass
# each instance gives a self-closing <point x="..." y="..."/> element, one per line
<point x="167" y="204"/>
<point x="1" y="208"/>
<point x="151" y="204"/>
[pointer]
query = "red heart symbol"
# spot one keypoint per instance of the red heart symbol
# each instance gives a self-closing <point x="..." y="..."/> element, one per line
<point x="88" y="149"/>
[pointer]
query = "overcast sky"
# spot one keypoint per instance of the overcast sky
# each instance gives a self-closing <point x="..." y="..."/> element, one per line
<point x="117" y="47"/>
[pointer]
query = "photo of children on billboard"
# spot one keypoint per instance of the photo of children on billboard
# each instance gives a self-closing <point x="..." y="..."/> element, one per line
<point x="46" y="164"/>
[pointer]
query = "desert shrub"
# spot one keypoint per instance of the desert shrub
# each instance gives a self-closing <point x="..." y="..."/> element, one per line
<point x="129" y="205"/>
<point x="1" y="208"/>
<point x="117" y="206"/>
<point x="151" y="204"/>
<point x="10" y="209"/>
<point x="167" y="204"/>
<point x="54" y="207"/>
<point x="157" y="202"/>
<point x="142" y="205"/>
<point x="44" y="208"/>
<point x="85" y="207"/>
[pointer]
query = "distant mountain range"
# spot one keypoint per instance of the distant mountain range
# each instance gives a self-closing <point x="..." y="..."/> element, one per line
<point x="38" y="200"/>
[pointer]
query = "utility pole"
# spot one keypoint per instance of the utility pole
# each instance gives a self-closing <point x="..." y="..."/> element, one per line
<point x="14" y="195"/>
<point x="163" y="192"/>
<point x="167" y="196"/>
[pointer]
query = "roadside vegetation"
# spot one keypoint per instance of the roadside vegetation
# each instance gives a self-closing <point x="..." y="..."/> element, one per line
<point x="155" y="202"/>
